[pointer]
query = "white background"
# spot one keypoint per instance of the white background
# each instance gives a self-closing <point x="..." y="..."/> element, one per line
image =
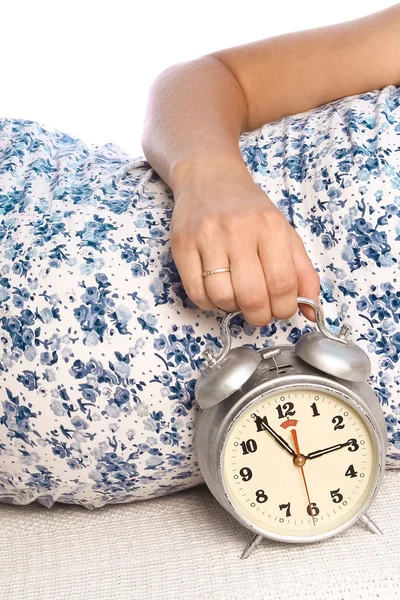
<point x="86" y="67"/>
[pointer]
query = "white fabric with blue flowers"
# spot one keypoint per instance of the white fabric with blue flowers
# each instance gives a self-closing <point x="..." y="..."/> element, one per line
<point x="100" y="347"/>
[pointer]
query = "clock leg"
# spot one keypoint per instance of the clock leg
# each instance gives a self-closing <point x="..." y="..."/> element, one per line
<point x="369" y="524"/>
<point x="252" y="545"/>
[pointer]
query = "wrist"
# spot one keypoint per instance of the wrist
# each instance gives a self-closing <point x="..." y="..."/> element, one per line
<point x="208" y="168"/>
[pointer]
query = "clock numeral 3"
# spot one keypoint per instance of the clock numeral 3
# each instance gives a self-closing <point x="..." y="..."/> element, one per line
<point x="337" y="421"/>
<point x="313" y="509"/>
<point x="261" y="496"/>
<point x="336" y="496"/>
<point x="286" y="410"/>
<point x="287" y="506"/>
<point x="246" y="473"/>
<point x="353" y="445"/>
<point x="249" y="446"/>
<point x="351" y="472"/>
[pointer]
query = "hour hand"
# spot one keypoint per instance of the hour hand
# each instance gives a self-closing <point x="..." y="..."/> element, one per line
<point x="262" y="423"/>
<point x="317" y="453"/>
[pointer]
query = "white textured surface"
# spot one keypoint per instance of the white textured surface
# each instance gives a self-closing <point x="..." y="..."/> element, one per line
<point x="185" y="546"/>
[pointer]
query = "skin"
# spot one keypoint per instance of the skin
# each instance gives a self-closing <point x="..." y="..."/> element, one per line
<point x="195" y="114"/>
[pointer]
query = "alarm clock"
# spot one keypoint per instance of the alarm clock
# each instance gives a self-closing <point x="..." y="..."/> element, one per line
<point x="291" y="439"/>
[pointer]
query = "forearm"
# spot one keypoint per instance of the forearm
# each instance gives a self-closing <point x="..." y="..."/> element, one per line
<point x="295" y="72"/>
<point x="197" y="110"/>
<point x="195" y="114"/>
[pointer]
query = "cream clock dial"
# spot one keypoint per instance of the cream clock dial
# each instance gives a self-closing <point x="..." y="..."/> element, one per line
<point x="299" y="462"/>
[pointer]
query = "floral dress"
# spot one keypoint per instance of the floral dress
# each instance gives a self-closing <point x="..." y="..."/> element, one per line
<point x="100" y="346"/>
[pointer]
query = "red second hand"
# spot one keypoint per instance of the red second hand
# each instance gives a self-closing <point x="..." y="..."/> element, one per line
<point x="300" y="463"/>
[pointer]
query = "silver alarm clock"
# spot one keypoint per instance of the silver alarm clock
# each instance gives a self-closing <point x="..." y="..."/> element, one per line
<point x="291" y="440"/>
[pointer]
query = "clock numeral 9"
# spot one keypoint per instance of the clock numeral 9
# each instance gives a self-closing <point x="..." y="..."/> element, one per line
<point x="336" y="496"/>
<point x="249" y="446"/>
<point x="337" y="421"/>
<point x="286" y="410"/>
<point x="261" y="496"/>
<point x="246" y="473"/>
<point x="313" y="509"/>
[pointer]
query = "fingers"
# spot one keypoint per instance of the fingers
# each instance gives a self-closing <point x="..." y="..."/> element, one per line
<point x="276" y="255"/>
<point x="269" y="266"/>
<point x="189" y="265"/>
<point x="219" y="286"/>
<point x="307" y="277"/>
<point x="244" y="288"/>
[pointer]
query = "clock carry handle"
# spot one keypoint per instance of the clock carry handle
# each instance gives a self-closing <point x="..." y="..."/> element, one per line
<point x="320" y="319"/>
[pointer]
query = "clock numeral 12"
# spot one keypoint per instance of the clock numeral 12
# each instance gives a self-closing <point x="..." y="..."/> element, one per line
<point x="286" y="410"/>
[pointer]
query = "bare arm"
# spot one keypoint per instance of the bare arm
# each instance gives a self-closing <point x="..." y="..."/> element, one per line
<point x="195" y="114"/>
<point x="197" y="110"/>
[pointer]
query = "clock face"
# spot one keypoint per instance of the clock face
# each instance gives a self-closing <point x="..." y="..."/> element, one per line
<point x="299" y="462"/>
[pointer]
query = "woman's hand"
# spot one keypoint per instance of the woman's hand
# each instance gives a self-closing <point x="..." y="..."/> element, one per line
<point x="228" y="221"/>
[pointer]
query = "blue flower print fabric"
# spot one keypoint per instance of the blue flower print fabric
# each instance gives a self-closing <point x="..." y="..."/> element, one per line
<point x="100" y="346"/>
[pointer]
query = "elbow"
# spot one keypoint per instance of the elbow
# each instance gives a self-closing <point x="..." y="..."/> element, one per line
<point x="240" y="88"/>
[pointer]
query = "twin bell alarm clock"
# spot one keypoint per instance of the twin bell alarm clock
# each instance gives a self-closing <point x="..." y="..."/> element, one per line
<point x="291" y="439"/>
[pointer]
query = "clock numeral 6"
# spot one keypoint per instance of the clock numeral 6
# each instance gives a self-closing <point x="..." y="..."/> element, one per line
<point x="285" y="410"/>
<point x="336" y="496"/>
<point x="249" y="446"/>
<point x="246" y="473"/>
<point x="261" y="496"/>
<point x="313" y="509"/>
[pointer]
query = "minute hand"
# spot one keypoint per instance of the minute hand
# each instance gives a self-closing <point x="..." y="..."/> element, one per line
<point x="317" y="453"/>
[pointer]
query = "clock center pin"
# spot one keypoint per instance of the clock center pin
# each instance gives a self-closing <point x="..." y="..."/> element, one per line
<point x="300" y="461"/>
